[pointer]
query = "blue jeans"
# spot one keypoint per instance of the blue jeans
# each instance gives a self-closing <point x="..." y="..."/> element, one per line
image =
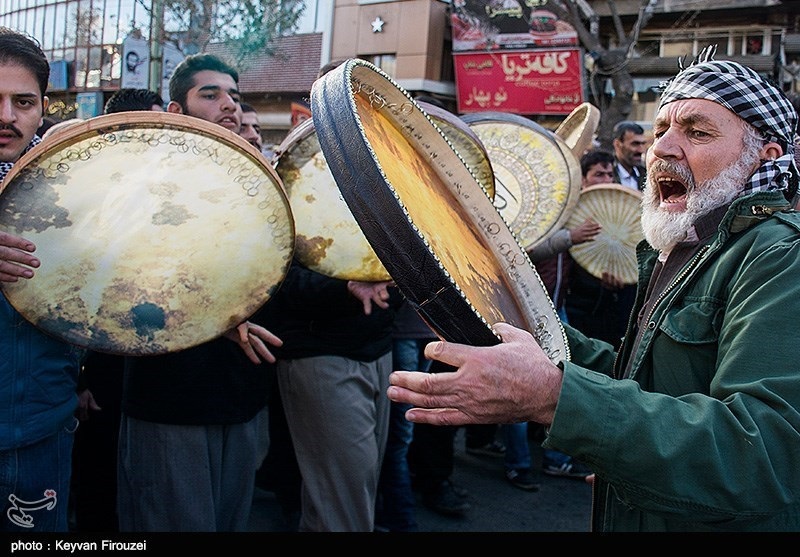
<point x="552" y="457"/>
<point x="396" y="503"/>
<point x="34" y="483"/>
<point x="518" y="452"/>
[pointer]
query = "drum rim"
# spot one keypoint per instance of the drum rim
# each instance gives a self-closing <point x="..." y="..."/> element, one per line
<point x="136" y="119"/>
<point x="590" y="119"/>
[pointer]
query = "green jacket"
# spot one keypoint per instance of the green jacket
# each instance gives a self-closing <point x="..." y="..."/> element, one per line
<point x="705" y="434"/>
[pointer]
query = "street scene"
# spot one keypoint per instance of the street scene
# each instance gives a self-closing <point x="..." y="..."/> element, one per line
<point x="398" y="266"/>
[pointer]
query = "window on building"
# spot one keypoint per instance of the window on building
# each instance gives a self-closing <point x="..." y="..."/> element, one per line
<point x="386" y="62"/>
<point x="738" y="41"/>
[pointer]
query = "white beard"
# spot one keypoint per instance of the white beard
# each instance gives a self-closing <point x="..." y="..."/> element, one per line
<point x="663" y="229"/>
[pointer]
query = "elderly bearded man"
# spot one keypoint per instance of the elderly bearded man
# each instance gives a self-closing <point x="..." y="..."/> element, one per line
<point x="696" y="427"/>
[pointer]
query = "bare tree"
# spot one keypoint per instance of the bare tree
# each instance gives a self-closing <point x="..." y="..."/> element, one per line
<point x="605" y="63"/>
<point x="246" y="26"/>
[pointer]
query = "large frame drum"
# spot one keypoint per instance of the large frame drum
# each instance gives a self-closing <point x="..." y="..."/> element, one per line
<point x="425" y="213"/>
<point x="156" y="232"/>
<point x="537" y="176"/>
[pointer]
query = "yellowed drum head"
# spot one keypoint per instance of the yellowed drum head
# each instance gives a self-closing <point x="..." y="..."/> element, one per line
<point x="328" y="238"/>
<point x="466" y="143"/>
<point x="617" y="209"/>
<point x="156" y="232"/>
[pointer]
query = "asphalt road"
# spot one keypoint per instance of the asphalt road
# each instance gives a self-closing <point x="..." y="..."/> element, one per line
<point x="561" y="505"/>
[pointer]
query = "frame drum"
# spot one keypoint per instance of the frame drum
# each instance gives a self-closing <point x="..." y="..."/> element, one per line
<point x="537" y="177"/>
<point x="618" y="210"/>
<point x="328" y="239"/>
<point x="577" y="129"/>
<point x="425" y="213"/>
<point x="156" y="232"/>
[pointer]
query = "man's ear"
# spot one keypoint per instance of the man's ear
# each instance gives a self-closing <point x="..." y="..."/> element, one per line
<point x="174" y="108"/>
<point x="770" y="151"/>
<point x="45" y="104"/>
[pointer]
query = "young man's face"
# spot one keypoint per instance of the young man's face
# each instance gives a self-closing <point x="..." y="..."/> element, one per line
<point x="21" y="110"/>
<point x="599" y="173"/>
<point x="214" y="98"/>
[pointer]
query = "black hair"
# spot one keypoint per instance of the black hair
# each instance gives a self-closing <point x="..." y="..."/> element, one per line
<point x="624" y="127"/>
<point x="247" y="107"/>
<point x="132" y="99"/>
<point x="330" y="66"/>
<point x="182" y="79"/>
<point x="593" y="157"/>
<point x="25" y="51"/>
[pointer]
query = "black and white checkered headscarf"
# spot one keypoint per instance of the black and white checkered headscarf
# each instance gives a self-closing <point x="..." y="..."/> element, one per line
<point x="6" y="166"/>
<point x="752" y="98"/>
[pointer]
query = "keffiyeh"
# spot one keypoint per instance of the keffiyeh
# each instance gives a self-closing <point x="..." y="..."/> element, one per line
<point x="752" y="98"/>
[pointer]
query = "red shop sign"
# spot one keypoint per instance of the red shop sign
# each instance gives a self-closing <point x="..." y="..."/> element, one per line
<point x="521" y="82"/>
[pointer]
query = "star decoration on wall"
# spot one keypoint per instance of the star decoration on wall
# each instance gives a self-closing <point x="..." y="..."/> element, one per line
<point x="377" y="25"/>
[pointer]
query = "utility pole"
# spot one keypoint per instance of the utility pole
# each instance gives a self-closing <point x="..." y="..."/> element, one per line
<point x="156" y="50"/>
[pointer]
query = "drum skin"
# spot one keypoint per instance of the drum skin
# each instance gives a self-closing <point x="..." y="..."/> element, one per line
<point x="618" y="210"/>
<point x="425" y="214"/>
<point x="465" y="142"/>
<point x="328" y="238"/>
<point x="156" y="232"/>
<point x="537" y="176"/>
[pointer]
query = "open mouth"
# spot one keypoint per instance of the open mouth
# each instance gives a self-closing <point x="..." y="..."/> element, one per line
<point x="671" y="190"/>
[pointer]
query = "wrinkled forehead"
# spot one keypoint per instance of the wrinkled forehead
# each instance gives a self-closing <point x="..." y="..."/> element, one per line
<point x="691" y="112"/>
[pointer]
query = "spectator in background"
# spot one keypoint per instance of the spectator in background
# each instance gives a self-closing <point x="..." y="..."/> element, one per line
<point x="134" y="99"/>
<point x="395" y="506"/>
<point x="598" y="308"/>
<point x="630" y="145"/>
<point x="251" y="130"/>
